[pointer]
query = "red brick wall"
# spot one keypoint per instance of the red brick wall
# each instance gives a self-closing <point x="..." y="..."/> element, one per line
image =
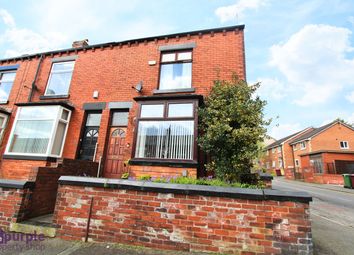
<point x="45" y="191"/>
<point x="161" y="171"/>
<point x="14" y="205"/>
<point x="114" y="70"/>
<point x="20" y="169"/>
<point x="184" y="222"/>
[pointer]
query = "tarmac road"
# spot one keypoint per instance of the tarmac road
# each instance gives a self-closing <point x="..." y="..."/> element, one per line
<point x="332" y="215"/>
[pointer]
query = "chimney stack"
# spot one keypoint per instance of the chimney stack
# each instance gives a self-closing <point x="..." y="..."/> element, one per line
<point x="81" y="43"/>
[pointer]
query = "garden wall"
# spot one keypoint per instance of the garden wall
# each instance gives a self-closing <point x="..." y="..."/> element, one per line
<point x="184" y="217"/>
<point x="14" y="201"/>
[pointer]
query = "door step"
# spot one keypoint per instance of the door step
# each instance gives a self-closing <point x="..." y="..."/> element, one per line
<point x="39" y="225"/>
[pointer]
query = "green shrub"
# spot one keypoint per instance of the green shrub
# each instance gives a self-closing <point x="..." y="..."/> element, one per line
<point x="125" y="176"/>
<point x="146" y="177"/>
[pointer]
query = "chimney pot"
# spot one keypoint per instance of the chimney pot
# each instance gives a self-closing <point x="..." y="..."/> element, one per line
<point x="81" y="43"/>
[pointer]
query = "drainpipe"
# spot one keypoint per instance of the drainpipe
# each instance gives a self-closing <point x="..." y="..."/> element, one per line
<point x="34" y="87"/>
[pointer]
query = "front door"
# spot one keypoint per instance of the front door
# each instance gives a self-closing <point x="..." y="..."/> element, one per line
<point x="114" y="164"/>
<point x="90" y="136"/>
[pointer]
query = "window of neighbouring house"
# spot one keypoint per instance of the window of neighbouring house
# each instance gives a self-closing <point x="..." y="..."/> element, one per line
<point x="344" y="145"/>
<point x="273" y="150"/>
<point x="6" y="81"/>
<point x="166" y="130"/>
<point x="273" y="163"/>
<point x="296" y="162"/>
<point x="3" y="122"/>
<point x="279" y="149"/>
<point x="176" y="70"/>
<point x="280" y="163"/>
<point x="267" y="152"/>
<point x="302" y="145"/>
<point x="60" y="78"/>
<point x="39" y="131"/>
<point x="267" y="165"/>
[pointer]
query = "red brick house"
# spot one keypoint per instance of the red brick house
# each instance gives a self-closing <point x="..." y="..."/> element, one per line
<point x="278" y="155"/>
<point x="325" y="153"/>
<point x="111" y="103"/>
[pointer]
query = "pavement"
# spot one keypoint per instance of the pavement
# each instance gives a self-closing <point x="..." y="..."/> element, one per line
<point x="56" y="246"/>
<point x="332" y="215"/>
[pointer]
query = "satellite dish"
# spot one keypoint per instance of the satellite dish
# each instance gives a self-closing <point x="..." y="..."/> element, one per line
<point x="138" y="87"/>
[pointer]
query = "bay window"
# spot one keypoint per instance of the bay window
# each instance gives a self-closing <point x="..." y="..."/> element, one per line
<point x="176" y="70"/>
<point x="39" y="131"/>
<point x="166" y="130"/>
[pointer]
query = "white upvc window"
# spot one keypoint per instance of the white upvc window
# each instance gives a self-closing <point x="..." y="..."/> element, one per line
<point x="267" y="165"/>
<point x="6" y="80"/>
<point x="3" y="123"/>
<point x="302" y="145"/>
<point x="280" y="162"/>
<point x="273" y="163"/>
<point x="344" y="145"/>
<point x="60" y="79"/>
<point x="39" y="131"/>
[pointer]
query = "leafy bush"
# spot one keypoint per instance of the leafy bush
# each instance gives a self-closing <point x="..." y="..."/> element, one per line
<point x="125" y="176"/>
<point x="232" y="127"/>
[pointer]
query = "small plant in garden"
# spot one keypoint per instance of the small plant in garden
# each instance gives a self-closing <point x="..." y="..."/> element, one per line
<point x="125" y="176"/>
<point x="145" y="177"/>
<point x="232" y="127"/>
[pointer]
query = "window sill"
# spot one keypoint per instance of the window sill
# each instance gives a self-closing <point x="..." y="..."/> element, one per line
<point x="4" y="102"/>
<point x="168" y="163"/>
<point x="43" y="97"/>
<point x="169" y="91"/>
<point x="27" y="157"/>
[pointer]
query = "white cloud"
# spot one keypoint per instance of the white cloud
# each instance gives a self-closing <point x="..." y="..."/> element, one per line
<point x="283" y="130"/>
<point x="237" y="10"/>
<point x="314" y="62"/>
<point x="272" y="89"/>
<point x="350" y="119"/>
<point x="350" y="97"/>
<point x="25" y="41"/>
<point x="7" y="18"/>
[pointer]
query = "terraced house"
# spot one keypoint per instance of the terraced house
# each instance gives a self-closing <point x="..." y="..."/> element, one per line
<point x="115" y="107"/>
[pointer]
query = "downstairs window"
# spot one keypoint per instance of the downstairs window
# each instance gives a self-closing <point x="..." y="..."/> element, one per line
<point x="166" y="131"/>
<point x="39" y="131"/>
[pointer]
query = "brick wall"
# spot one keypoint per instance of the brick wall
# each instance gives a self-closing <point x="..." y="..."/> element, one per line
<point x="20" y="169"/>
<point x="14" y="204"/>
<point x="45" y="191"/>
<point x="224" y="220"/>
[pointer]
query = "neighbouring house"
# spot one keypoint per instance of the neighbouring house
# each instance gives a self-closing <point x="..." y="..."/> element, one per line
<point x="111" y="108"/>
<point x="324" y="154"/>
<point x="278" y="155"/>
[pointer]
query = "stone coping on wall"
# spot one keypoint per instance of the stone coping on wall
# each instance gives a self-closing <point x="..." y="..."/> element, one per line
<point x="203" y="190"/>
<point x="16" y="184"/>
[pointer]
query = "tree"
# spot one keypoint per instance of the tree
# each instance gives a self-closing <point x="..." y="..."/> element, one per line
<point x="232" y="126"/>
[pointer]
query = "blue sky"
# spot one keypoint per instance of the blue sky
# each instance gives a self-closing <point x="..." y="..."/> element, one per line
<point x="301" y="51"/>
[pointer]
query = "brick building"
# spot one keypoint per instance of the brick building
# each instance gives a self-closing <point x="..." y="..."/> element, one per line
<point x="278" y="155"/>
<point x="313" y="154"/>
<point x="132" y="101"/>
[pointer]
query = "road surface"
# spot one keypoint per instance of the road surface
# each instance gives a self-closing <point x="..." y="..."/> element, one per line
<point x="332" y="215"/>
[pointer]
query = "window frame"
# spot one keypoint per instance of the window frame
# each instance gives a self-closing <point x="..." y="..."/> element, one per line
<point x="54" y="128"/>
<point x="345" y="147"/>
<point x="166" y="118"/>
<point x="176" y="52"/>
<point x="4" y="125"/>
<point x="50" y="77"/>
<point x="1" y="75"/>
<point x="297" y="163"/>
<point x="303" y="147"/>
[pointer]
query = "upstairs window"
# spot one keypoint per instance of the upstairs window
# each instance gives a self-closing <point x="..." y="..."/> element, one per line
<point x="176" y="70"/>
<point x="166" y="131"/>
<point x="344" y="145"/>
<point x="302" y="145"/>
<point x="6" y="81"/>
<point x="3" y="122"/>
<point x="60" y="78"/>
<point x="39" y="131"/>
<point x="279" y="149"/>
